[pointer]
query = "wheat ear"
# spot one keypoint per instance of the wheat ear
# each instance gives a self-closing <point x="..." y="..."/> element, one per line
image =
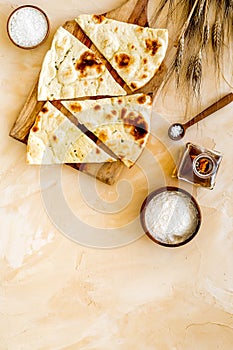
<point x="194" y="73"/>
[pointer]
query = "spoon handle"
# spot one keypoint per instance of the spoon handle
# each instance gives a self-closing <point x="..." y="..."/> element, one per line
<point x="209" y="110"/>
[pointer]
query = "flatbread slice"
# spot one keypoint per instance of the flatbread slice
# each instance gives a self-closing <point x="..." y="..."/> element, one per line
<point x="122" y="123"/>
<point x="71" y="70"/>
<point x="53" y="139"/>
<point x="135" y="52"/>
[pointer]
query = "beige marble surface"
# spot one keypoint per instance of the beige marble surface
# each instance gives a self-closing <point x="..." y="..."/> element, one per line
<point x="56" y="294"/>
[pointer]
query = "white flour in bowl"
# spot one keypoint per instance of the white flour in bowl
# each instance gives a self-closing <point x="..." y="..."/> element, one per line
<point x="171" y="217"/>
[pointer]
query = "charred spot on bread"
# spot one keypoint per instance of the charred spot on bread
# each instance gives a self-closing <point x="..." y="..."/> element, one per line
<point x="98" y="18"/>
<point x="44" y="110"/>
<point x="114" y="112"/>
<point x="102" y="135"/>
<point x="137" y="132"/>
<point x="141" y="99"/>
<point x="97" y="151"/>
<point x="144" y="61"/>
<point x="35" y="128"/>
<point x="133" y="85"/>
<point x="119" y="101"/>
<point x="122" y="60"/>
<point x="123" y="113"/>
<point x="76" y="107"/>
<point x="152" y="46"/>
<point x="54" y="138"/>
<point x="109" y="116"/>
<point x="131" y="114"/>
<point x="88" y="60"/>
<point x="97" y="107"/>
<point x="135" y="123"/>
<point x="141" y="142"/>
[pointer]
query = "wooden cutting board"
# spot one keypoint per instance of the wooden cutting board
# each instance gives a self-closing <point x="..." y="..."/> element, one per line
<point x="133" y="11"/>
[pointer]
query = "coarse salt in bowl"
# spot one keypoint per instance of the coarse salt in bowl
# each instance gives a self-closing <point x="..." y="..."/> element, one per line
<point x="28" y="26"/>
<point x="170" y="216"/>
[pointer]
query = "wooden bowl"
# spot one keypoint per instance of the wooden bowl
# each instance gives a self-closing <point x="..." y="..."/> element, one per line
<point x="9" y="31"/>
<point x="143" y="211"/>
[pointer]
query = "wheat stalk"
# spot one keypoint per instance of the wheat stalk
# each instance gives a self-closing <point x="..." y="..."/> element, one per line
<point x="160" y="8"/>
<point x="172" y="6"/>
<point x="205" y="27"/>
<point x="219" y="4"/>
<point x="228" y="7"/>
<point x="202" y="22"/>
<point x="206" y="34"/>
<point x="228" y="15"/>
<point x="217" y="42"/>
<point x="187" y="22"/>
<point x="217" y="34"/>
<point x="189" y="71"/>
<point x="198" y="15"/>
<point x="194" y="73"/>
<point x="197" y="74"/>
<point x="179" y="57"/>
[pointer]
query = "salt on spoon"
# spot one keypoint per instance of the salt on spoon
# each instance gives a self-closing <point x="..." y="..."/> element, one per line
<point x="28" y="26"/>
<point x="176" y="131"/>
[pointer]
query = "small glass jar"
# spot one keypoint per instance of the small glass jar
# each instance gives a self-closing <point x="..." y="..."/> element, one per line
<point x="199" y="165"/>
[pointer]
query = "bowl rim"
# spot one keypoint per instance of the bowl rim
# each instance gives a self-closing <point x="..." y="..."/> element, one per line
<point x="169" y="189"/>
<point x="46" y="35"/>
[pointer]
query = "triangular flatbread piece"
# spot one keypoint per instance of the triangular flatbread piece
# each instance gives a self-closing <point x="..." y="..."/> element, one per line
<point x="71" y="70"/>
<point x="134" y="52"/>
<point x="54" y="139"/>
<point x="122" y="123"/>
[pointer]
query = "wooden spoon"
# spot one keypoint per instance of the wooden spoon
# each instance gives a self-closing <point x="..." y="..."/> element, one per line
<point x="177" y="131"/>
